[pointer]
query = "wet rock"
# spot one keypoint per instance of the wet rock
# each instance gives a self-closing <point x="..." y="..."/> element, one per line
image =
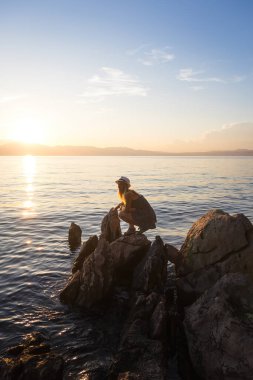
<point x="87" y="248"/>
<point x="110" y="226"/>
<point x="75" y="234"/>
<point x="216" y="244"/>
<point x="151" y="273"/>
<point x="69" y="293"/>
<point x="31" y="360"/>
<point x="219" y="329"/>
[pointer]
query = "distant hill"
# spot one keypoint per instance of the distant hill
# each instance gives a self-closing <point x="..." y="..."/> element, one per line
<point x="19" y="149"/>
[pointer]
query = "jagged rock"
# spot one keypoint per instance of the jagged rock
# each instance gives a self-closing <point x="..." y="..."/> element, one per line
<point x="75" y="234"/>
<point x="219" y="328"/>
<point x="31" y="360"/>
<point x="110" y="226"/>
<point x="140" y="355"/>
<point x="216" y="244"/>
<point x="108" y="264"/>
<point x="69" y="293"/>
<point x="151" y="273"/>
<point x="87" y="248"/>
<point x="96" y="276"/>
<point x="158" y="320"/>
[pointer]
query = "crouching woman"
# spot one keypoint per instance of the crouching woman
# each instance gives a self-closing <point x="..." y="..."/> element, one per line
<point x="134" y="208"/>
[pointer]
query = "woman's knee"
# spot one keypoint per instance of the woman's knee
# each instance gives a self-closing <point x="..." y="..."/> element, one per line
<point x="124" y="215"/>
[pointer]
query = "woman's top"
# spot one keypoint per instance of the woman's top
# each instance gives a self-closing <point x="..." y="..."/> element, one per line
<point x="144" y="216"/>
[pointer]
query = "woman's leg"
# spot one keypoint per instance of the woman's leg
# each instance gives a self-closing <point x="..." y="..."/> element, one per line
<point x="127" y="217"/>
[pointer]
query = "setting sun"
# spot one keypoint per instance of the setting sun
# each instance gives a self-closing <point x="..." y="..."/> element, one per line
<point x="28" y="131"/>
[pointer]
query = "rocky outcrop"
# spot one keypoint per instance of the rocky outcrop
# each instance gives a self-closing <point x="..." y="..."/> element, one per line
<point x="217" y="243"/>
<point x="109" y="263"/>
<point x="31" y="360"/>
<point x="110" y="226"/>
<point x="219" y="328"/>
<point x="143" y="347"/>
<point x="75" y="234"/>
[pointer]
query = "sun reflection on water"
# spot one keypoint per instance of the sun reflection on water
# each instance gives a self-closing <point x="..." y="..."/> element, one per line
<point x="29" y="170"/>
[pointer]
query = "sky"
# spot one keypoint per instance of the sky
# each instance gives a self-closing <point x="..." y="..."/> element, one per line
<point x="170" y="75"/>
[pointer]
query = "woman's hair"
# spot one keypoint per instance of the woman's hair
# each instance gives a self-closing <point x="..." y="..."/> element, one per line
<point x="122" y="192"/>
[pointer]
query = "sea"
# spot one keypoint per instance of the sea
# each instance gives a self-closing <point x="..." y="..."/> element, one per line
<point x="41" y="196"/>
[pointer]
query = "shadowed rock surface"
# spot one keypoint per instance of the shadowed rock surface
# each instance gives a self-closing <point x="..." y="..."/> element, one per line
<point x="87" y="248"/>
<point x="93" y="282"/>
<point x="110" y="226"/>
<point x="219" y="328"/>
<point x="31" y="360"/>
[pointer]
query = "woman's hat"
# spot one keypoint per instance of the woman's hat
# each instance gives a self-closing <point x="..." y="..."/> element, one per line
<point x="124" y="179"/>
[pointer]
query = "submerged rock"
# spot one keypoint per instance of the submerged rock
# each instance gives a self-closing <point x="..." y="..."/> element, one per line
<point x="219" y="328"/>
<point x="217" y="243"/>
<point x="31" y="360"/>
<point x="75" y="234"/>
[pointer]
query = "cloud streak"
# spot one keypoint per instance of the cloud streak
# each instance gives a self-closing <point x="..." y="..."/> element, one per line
<point x="157" y="56"/>
<point x="189" y="75"/>
<point x="112" y="82"/>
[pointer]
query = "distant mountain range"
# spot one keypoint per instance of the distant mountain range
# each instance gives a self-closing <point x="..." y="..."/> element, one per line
<point x="19" y="149"/>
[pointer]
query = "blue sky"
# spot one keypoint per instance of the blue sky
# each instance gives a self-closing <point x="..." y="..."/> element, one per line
<point x="169" y="75"/>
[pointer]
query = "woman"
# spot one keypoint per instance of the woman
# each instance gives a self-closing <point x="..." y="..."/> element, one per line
<point x="134" y="208"/>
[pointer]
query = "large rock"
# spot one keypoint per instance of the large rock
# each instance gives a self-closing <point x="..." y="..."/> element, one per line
<point x="219" y="328"/>
<point x="213" y="237"/>
<point x="108" y="264"/>
<point x="31" y="360"/>
<point x="110" y="226"/>
<point x="215" y="245"/>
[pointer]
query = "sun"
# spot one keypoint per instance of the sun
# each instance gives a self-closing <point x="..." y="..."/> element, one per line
<point x="29" y="131"/>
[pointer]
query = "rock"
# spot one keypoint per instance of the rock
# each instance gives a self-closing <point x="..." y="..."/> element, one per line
<point x="219" y="329"/>
<point x="140" y="355"/>
<point x="216" y="244"/>
<point x="151" y="273"/>
<point x="75" y="234"/>
<point x="69" y="293"/>
<point x="213" y="237"/>
<point x="87" y="248"/>
<point x="96" y="276"/>
<point x="173" y="254"/>
<point x="110" y="226"/>
<point x="109" y="264"/>
<point x="31" y="360"/>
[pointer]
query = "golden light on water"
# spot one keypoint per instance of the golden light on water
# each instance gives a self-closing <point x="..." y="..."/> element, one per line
<point x="29" y="170"/>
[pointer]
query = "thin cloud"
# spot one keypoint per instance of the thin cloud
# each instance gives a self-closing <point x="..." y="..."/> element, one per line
<point x="112" y="82"/>
<point x="188" y="75"/>
<point x="156" y="56"/>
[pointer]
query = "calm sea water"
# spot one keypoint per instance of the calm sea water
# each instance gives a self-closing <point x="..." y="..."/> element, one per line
<point x="40" y="196"/>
